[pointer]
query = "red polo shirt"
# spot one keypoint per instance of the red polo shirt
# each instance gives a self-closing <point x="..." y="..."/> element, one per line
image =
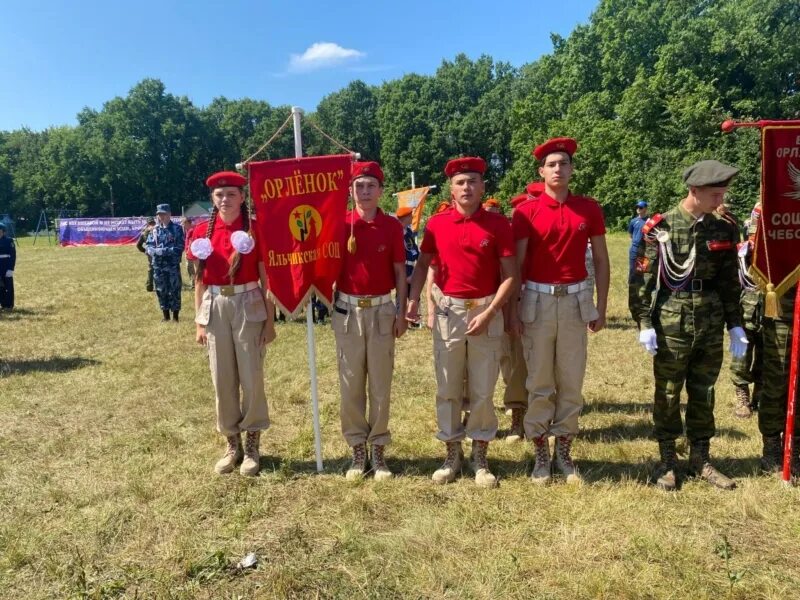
<point x="217" y="265"/>
<point x="557" y="234"/>
<point x="379" y="245"/>
<point x="468" y="250"/>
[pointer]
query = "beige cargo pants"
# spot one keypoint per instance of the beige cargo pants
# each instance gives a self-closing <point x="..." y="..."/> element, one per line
<point x="233" y="326"/>
<point x="365" y="353"/>
<point x="554" y="345"/>
<point x="457" y="355"/>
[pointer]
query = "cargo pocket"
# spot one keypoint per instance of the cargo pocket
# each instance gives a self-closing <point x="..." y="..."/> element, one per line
<point x="203" y="315"/>
<point x="255" y="309"/>
<point x="439" y="369"/>
<point x="441" y="324"/>
<point x="386" y="317"/>
<point x="586" y="306"/>
<point x="528" y="306"/>
<point x="670" y="321"/>
<point x="340" y="317"/>
<point x="496" y="326"/>
<point x="344" y="365"/>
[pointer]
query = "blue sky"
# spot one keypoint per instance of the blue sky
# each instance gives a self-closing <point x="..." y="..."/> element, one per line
<point x="57" y="57"/>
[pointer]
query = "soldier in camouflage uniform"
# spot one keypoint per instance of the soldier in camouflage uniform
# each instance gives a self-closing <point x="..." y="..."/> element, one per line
<point x="165" y="246"/>
<point x="690" y="288"/>
<point x="777" y="338"/>
<point x="748" y="369"/>
<point x="140" y="245"/>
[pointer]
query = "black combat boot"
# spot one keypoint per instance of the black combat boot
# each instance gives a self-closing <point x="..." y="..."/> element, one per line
<point x="175" y="315"/>
<point x="772" y="454"/>
<point x="165" y="312"/>
<point x="700" y="465"/>
<point x="667" y="469"/>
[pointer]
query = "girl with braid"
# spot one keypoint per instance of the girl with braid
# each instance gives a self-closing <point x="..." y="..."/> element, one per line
<point x="234" y="319"/>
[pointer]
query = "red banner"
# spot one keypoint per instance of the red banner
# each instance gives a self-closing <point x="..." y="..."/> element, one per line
<point x="776" y="257"/>
<point x="415" y="200"/>
<point x="300" y="208"/>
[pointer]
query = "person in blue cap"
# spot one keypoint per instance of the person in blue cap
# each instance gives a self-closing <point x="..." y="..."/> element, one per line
<point x="635" y="232"/>
<point x="8" y="260"/>
<point x="165" y="246"/>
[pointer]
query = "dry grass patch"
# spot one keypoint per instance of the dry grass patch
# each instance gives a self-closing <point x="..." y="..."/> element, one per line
<point x="107" y="490"/>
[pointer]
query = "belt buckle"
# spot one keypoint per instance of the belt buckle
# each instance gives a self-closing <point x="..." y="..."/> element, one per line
<point x="226" y="290"/>
<point x="697" y="285"/>
<point x="559" y="290"/>
<point x="364" y="302"/>
<point x="469" y="304"/>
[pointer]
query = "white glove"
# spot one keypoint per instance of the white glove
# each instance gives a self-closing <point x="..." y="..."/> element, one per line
<point x="647" y="338"/>
<point x="739" y="342"/>
<point x="9" y="273"/>
<point x="159" y="251"/>
<point x="150" y="251"/>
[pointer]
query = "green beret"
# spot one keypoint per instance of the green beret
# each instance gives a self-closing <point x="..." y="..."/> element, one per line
<point x="709" y="173"/>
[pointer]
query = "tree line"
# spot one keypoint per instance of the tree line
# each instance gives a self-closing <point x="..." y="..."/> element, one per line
<point x="643" y="86"/>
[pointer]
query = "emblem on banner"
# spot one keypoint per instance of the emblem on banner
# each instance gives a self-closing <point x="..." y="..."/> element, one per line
<point x="794" y="175"/>
<point x="305" y="223"/>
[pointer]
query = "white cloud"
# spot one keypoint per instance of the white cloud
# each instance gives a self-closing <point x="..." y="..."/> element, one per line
<point x="320" y="55"/>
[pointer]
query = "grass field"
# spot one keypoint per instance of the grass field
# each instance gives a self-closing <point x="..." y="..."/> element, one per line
<point x="107" y="445"/>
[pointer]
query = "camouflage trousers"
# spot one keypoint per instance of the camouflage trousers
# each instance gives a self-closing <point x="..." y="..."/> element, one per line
<point x="689" y="336"/>
<point x="777" y="338"/>
<point x="635" y="280"/>
<point x="149" y="285"/>
<point x="168" y="286"/>
<point x="749" y="368"/>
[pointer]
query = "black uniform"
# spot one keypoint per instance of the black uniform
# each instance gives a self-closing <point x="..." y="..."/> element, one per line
<point x="8" y="259"/>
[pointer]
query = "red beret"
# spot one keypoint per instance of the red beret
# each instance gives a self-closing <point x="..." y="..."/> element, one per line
<point x="403" y="211"/>
<point x="491" y="203"/>
<point x="226" y="179"/>
<point x="366" y="169"/>
<point x="561" y="144"/>
<point x="468" y="164"/>
<point x="443" y="206"/>
<point x="535" y="188"/>
<point x="517" y="200"/>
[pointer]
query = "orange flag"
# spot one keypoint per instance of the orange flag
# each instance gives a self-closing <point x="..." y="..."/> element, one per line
<point x="415" y="200"/>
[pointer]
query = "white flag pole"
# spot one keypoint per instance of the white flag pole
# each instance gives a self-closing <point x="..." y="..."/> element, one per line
<point x="297" y="112"/>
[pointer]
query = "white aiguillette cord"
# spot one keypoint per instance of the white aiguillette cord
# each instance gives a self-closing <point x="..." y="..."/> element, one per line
<point x="678" y="272"/>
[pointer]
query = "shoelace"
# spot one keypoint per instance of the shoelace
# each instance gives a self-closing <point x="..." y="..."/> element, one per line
<point x="452" y="453"/>
<point x="480" y="456"/>
<point x="359" y="454"/>
<point x="251" y="444"/>
<point x="563" y="453"/>
<point x="542" y="452"/>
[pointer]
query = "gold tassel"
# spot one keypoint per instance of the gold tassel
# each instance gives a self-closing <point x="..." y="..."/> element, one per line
<point x="351" y="244"/>
<point x="771" y="308"/>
